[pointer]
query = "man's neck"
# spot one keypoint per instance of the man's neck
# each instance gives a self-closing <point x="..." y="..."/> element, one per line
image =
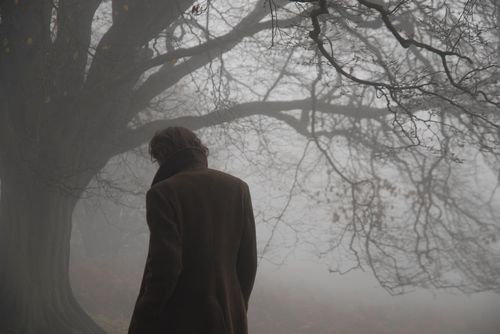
<point x="181" y="160"/>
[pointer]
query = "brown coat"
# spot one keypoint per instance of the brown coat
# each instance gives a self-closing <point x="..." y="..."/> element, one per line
<point x="202" y="256"/>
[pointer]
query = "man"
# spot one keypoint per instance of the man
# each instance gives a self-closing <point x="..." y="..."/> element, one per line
<point x="202" y="257"/>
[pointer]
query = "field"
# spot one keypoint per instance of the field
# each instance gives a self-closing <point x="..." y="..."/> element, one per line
<point x="107" y="289"/>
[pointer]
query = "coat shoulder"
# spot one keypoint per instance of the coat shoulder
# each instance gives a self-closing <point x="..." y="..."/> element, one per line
<point x="198" y="175"/>
<point x="224" y="175"/>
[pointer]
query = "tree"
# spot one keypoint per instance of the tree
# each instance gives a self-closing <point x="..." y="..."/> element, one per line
<point x="83" y="81"/>
<point x="435" y="68"/>
<point x="65" y="111"/>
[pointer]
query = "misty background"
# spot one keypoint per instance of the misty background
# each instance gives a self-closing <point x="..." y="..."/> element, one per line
<point x="367" y="130"/>
<point x="295" y="291"/>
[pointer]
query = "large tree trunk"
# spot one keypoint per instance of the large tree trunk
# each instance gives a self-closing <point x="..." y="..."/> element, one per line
<point x="35" y="231"/>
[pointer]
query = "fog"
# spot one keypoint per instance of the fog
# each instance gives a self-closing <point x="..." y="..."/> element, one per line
<point x="295" y="290"/>
<point x="368" y="132"/>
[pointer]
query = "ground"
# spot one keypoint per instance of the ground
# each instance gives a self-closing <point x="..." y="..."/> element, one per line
<point x="107" y="288"/>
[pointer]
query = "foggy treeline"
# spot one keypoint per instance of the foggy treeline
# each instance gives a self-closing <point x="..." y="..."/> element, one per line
<point x="368" y="131"/>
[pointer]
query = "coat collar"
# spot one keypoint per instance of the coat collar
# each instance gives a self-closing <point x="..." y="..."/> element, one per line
<point x="186" y="158"/>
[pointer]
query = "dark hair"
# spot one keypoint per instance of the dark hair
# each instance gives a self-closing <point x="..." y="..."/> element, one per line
<point x="171" y="140"/>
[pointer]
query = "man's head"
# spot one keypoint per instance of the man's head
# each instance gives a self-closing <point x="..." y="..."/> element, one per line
<point x="165" y="143"/>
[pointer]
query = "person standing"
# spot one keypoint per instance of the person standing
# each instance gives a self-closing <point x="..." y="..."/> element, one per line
<point x="202" y="258"/>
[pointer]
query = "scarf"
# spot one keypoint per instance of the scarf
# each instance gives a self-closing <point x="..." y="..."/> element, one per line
<point x="189" y="157"/>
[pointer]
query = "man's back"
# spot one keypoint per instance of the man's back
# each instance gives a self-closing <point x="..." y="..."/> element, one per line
<point x="202" y="257"/>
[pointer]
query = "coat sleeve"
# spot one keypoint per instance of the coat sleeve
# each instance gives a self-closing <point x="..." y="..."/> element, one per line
<point x="163" y="264"/>
<point x="247" y="253"/>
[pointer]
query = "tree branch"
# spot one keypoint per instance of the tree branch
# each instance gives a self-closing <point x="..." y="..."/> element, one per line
<point x="132" y="138"/>
<point x="69" y="51"/>
<point x="407" y="42"/>
<point x="200" y="56"/>
<point x="120" y="46"/>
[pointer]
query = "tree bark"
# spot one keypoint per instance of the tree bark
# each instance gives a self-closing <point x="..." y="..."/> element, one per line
<point x="35" y="231"/>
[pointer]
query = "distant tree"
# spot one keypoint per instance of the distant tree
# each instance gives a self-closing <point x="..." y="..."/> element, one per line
<point x="84" y="81"/>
